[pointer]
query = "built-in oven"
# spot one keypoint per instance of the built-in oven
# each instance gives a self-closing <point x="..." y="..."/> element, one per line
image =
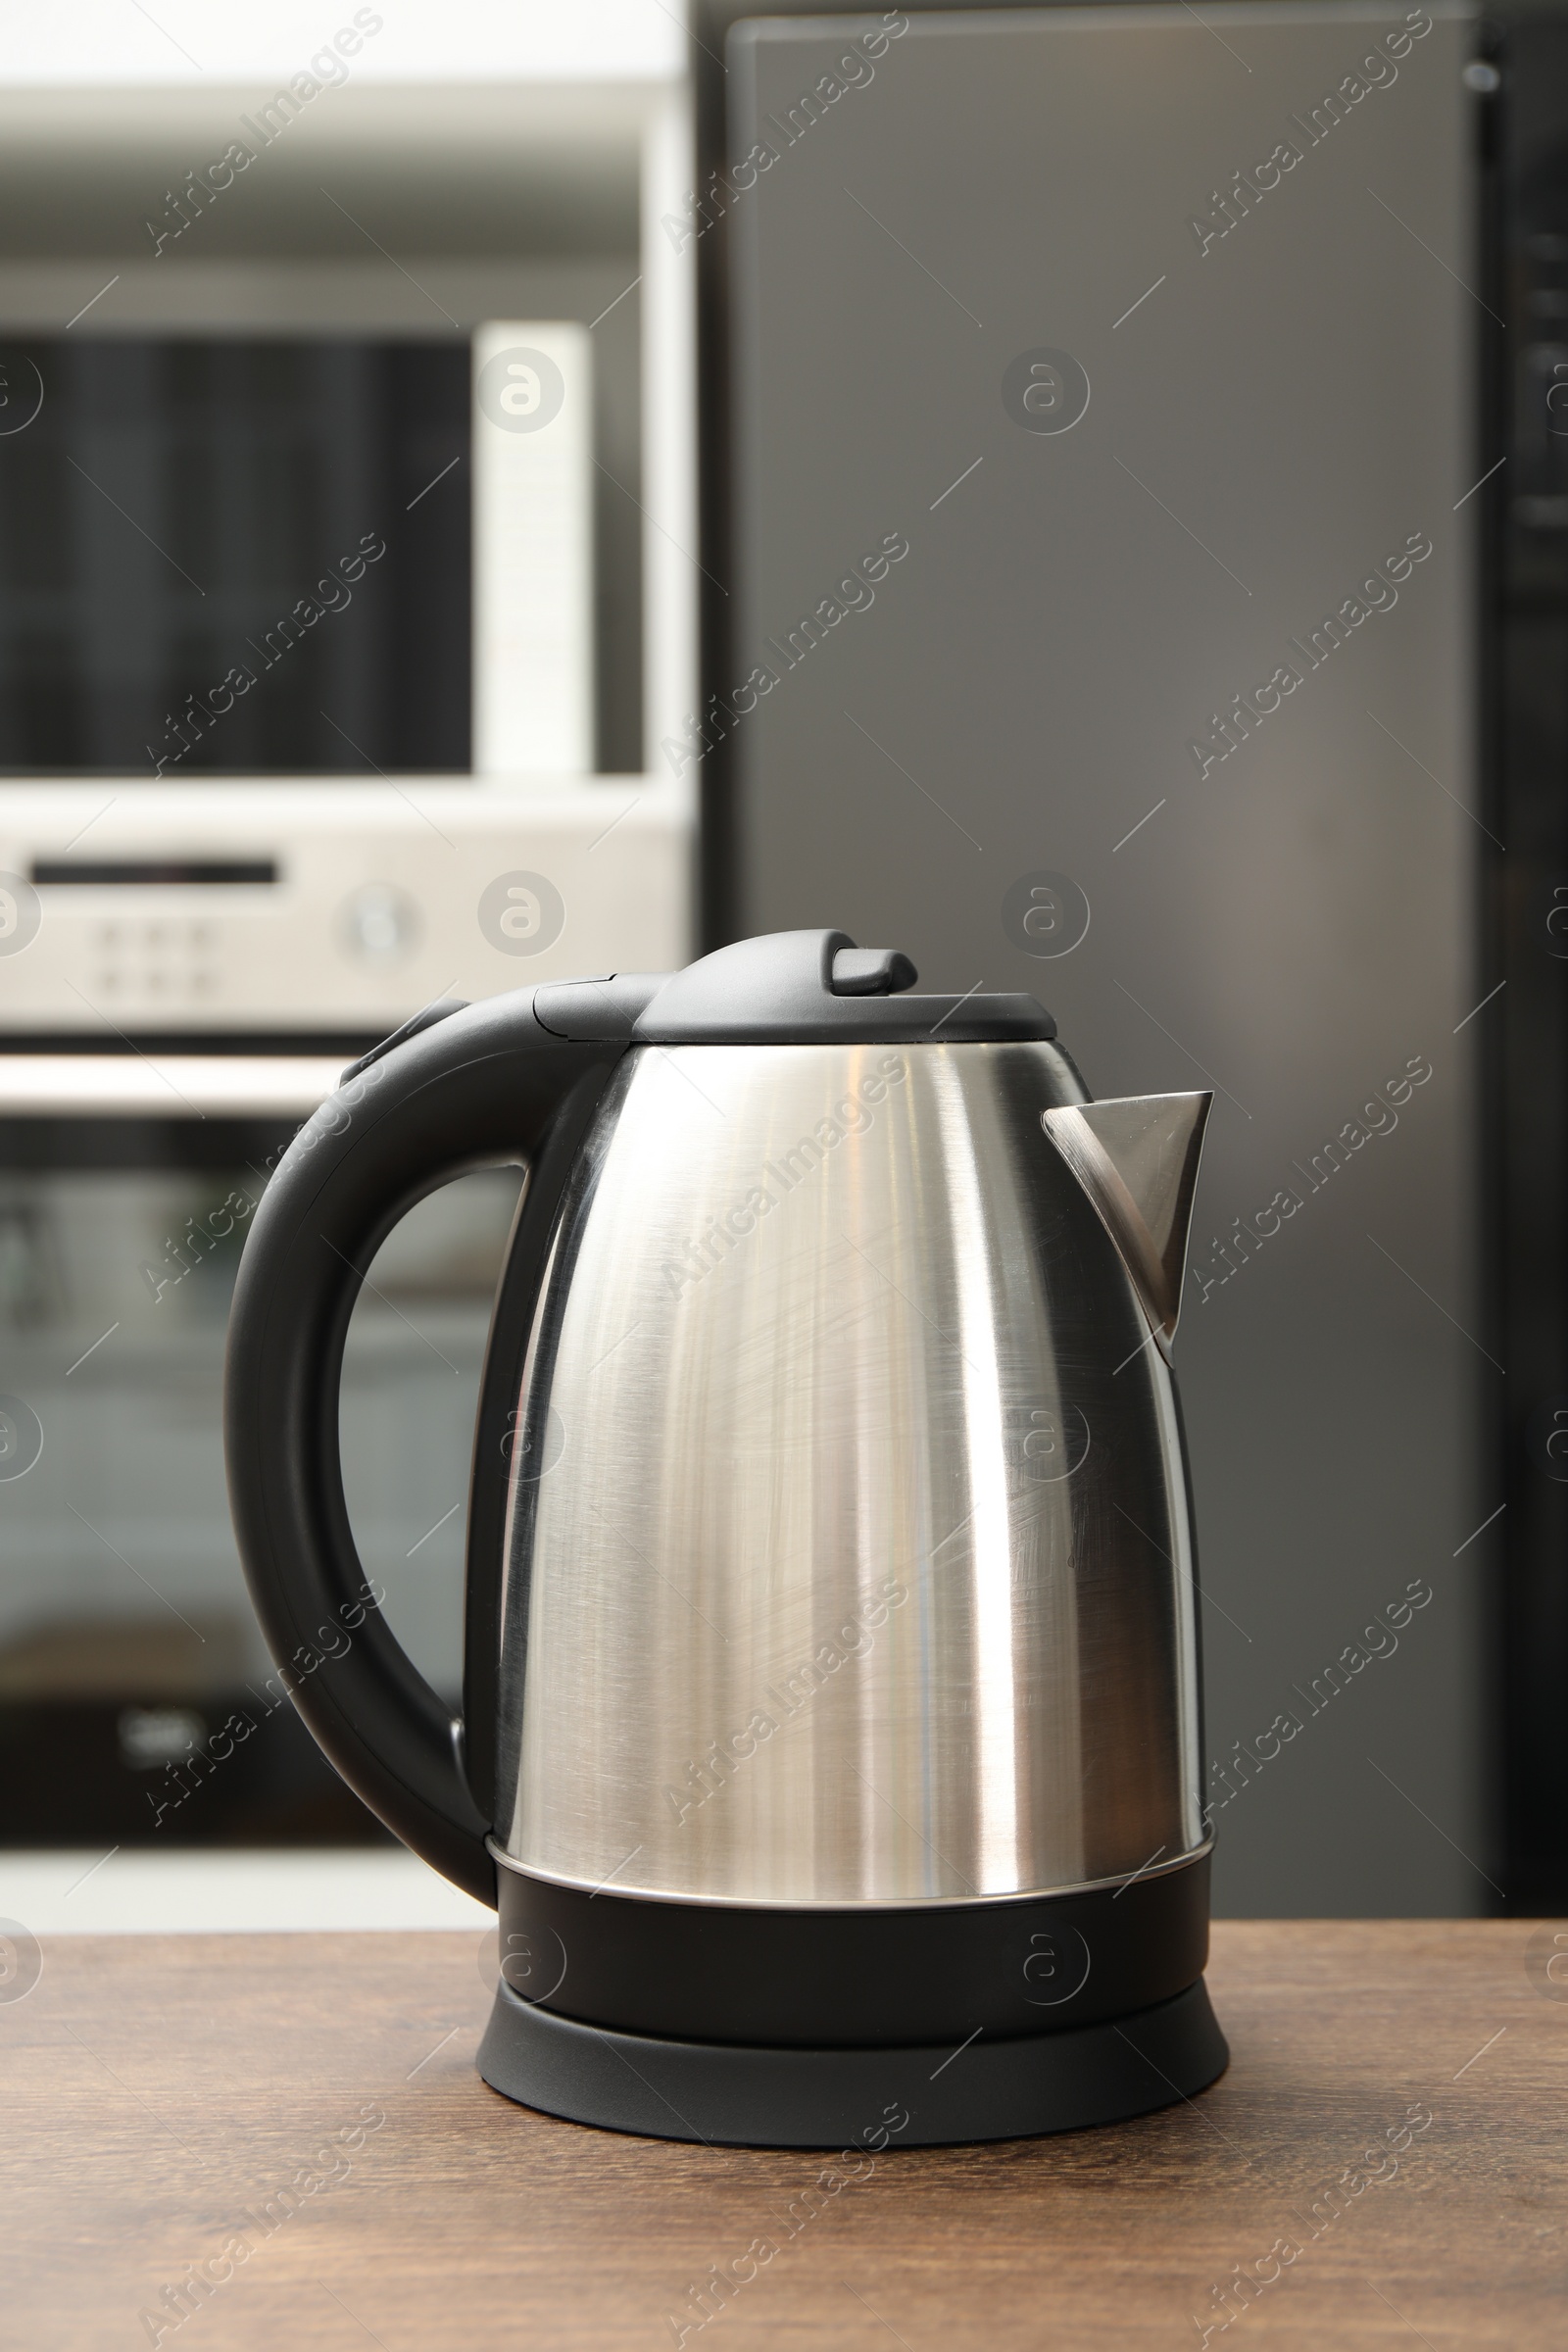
<point x="184" y="973"/>
<point x="137" y="1702"/>
<point x="138" y="1705"/>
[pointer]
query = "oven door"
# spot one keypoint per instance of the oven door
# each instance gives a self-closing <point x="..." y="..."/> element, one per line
<point x="137" y="1702"/>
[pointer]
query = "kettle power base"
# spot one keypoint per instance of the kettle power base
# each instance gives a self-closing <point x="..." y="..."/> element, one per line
<point x="729" y="2095"/>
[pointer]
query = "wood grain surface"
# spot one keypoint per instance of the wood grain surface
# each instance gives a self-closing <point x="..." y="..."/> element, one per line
<point x="159" y="2093"/>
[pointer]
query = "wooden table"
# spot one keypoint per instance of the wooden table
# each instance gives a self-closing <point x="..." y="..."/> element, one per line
<point x="159" y="2093"/>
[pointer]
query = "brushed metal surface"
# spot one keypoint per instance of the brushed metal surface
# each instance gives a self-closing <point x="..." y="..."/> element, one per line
<point x="849" y="1554"/>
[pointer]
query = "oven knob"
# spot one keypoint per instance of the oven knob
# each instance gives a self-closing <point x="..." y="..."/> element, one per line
<point x="380" y="923"/>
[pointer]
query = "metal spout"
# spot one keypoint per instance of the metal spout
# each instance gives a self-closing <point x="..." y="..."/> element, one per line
<point x="1137" y="1159"/>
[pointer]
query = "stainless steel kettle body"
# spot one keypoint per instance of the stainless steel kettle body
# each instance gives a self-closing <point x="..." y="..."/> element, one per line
<point x="833" y="1708"/>
<point x="849" y="1557"/>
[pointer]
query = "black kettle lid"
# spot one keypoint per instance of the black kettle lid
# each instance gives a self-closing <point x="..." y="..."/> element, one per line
<point x="788" y="988"/>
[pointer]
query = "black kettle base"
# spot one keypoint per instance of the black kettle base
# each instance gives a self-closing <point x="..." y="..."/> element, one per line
<point x="728" y="2095"/>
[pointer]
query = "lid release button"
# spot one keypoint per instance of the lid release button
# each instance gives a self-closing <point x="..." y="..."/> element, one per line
<point x="871" y="972"/>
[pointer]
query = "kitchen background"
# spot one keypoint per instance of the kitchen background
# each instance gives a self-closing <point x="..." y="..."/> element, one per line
<point x="391" y="522"/>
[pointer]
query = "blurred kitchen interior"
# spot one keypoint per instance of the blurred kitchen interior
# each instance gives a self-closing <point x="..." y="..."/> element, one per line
<point x="505" y="747"/>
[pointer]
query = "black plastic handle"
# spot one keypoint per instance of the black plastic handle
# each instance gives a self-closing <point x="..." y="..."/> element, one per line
<point x="482" y="1084"/>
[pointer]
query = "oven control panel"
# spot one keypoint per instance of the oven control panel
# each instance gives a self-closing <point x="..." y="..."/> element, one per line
<point x="318" y="905"/>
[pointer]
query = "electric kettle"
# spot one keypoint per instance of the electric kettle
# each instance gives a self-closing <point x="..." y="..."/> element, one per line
<point x="831" y="1728"/>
